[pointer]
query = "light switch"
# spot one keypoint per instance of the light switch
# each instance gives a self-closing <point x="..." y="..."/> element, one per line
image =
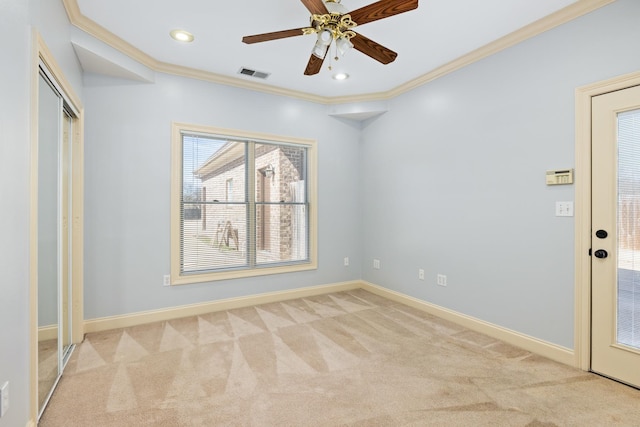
<point x="564" y="208"/>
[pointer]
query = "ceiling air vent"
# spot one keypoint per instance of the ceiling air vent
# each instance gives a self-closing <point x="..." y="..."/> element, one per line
<point x="253" y="73"/>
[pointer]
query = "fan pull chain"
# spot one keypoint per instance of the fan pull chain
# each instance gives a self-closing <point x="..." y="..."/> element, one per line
<point x="335" y="55"/>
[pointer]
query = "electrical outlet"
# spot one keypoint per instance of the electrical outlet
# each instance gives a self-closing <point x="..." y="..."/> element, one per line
<point x="442" y="280"/>
<point x="346" y="261"/>
<point x="421" y="274"/>
<point x="4" y="398"/>
<point x="167" y="280"/>
<point x="376" y="264"/>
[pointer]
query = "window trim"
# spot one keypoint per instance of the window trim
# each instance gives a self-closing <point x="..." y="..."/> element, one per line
<point x="177" y="129"/>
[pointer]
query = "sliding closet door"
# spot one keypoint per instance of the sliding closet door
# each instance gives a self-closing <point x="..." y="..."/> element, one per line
<point x="49" y="238"/>
<point x="56" y="241"/>
<point x="66" y="224"/>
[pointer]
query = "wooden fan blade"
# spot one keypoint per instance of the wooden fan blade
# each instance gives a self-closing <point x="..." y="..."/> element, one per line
<point x="316" y="7"/>
<point x="257" y="38"/>
<point x="382" y="9"/>
<point x="314" y="65"/>
<point x="373" y="49"/>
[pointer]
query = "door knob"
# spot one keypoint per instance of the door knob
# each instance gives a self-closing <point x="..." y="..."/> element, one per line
<point x="601" y="234"/>
<point x="601" y="253"/>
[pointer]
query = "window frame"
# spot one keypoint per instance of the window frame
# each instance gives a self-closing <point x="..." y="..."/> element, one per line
<point x="177" y="278"/>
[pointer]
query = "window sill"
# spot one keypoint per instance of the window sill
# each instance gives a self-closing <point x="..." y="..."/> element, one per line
<point x="177" y="279"/>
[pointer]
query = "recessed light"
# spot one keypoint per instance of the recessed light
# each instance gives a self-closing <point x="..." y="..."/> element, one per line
<point x="181" y="36"/>
<point x="341" y="76"/>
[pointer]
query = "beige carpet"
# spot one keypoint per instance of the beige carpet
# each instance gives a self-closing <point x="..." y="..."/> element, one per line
<point x="344" y="359"/>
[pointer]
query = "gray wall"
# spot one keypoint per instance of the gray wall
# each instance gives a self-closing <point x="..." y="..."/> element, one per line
<point x="16" y="20"/>
<point x="127" y="189"/>
<point x="50" y="20"/>
<point x="14" y="216"/>
<point x="461" y="163"/>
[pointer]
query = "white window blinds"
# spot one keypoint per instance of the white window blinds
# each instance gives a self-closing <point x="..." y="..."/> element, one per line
<point x="244" y="204"/>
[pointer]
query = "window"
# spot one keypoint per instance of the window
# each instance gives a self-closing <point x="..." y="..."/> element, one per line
<point x="243" y="204"/>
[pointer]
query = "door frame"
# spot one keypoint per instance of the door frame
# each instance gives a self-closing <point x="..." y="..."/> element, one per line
<point x="582" y="319"/>
<point x="41" y="54"/>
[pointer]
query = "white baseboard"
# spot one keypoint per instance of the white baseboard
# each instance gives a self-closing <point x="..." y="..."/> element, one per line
<point x="534" y="345"/>
<point x="529" y="343"/>
<point x="140" y="318"/>
<point x="47" y="332"/>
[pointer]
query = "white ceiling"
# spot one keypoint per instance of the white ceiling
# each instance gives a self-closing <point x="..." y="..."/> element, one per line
<point x="436" y="33"/>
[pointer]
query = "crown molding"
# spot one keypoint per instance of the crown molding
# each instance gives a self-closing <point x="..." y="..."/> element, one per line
<point x="96" y="30"/>
<point x="179" y="70"/>
<point x="569" y="13"/>
<point x="99" y="32"/>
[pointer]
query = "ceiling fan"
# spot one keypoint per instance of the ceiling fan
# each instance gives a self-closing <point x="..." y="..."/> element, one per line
<point x="331" y="22"/>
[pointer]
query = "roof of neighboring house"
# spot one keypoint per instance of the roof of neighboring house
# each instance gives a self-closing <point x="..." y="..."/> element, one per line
<point x="229" y="152"/>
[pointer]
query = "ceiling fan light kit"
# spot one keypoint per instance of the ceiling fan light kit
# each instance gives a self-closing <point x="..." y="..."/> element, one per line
<point x="344" y="45"/>
<point x="319" y="50"/>
<point x="331" y="26"/>
<point x="331" y="21"/>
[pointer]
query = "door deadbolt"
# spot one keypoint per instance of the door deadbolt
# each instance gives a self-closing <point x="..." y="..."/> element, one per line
<point x="601" y="234"/>
<point x="601" y="253"/>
